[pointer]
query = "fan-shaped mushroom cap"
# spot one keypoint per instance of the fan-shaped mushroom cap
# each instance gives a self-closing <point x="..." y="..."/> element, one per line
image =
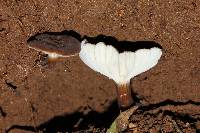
<point x="120" y="67"/>
<point x="55" y="45"/>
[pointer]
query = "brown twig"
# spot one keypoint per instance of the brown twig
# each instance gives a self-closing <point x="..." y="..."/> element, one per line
<point x="122" y="120"/>
<point x="176" y="126"/>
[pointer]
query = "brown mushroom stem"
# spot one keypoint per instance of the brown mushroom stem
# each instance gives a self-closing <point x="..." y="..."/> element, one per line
<point x="125" y="99"/>
<point x="59" y="59"/>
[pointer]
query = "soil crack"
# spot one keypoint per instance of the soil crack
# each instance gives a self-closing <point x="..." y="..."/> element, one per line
<point x="11" y="85"/>
<point x="2" y="112"/>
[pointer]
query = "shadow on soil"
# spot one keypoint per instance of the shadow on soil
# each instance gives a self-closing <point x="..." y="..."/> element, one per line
<point x="49" y="38"/>
<point x="168" y="102"/>
<point x="77" y="121"/>
<point x="2" y="113"/>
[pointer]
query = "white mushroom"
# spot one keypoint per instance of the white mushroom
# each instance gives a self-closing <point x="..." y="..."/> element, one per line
<point x="119" y="66"/>
<point x="119" y="61"/>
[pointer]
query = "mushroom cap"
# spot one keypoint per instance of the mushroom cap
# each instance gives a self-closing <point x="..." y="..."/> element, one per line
<point x="55" y="45"/>
<point x="119" y="66"/>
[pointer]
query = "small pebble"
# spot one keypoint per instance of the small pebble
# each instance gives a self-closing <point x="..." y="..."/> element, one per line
<point x="131" y="125"/>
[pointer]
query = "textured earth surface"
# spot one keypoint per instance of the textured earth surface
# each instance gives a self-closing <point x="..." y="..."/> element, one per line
<point x="68" y="96"/>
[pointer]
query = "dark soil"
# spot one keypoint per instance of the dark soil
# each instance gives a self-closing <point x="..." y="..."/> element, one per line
<point x="68" y="96"/>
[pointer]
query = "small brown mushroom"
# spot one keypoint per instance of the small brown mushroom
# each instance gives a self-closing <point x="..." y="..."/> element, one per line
<point x="55" y="46"/>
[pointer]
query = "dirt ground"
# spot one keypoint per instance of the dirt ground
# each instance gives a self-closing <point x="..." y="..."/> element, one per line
<point x="68" y="96"/>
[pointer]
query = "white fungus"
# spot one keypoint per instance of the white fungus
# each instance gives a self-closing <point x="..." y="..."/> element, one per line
<point x="120" y="67"/>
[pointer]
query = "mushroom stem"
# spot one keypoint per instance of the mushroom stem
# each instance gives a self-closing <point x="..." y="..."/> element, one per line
<point x="124" y="96"/>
